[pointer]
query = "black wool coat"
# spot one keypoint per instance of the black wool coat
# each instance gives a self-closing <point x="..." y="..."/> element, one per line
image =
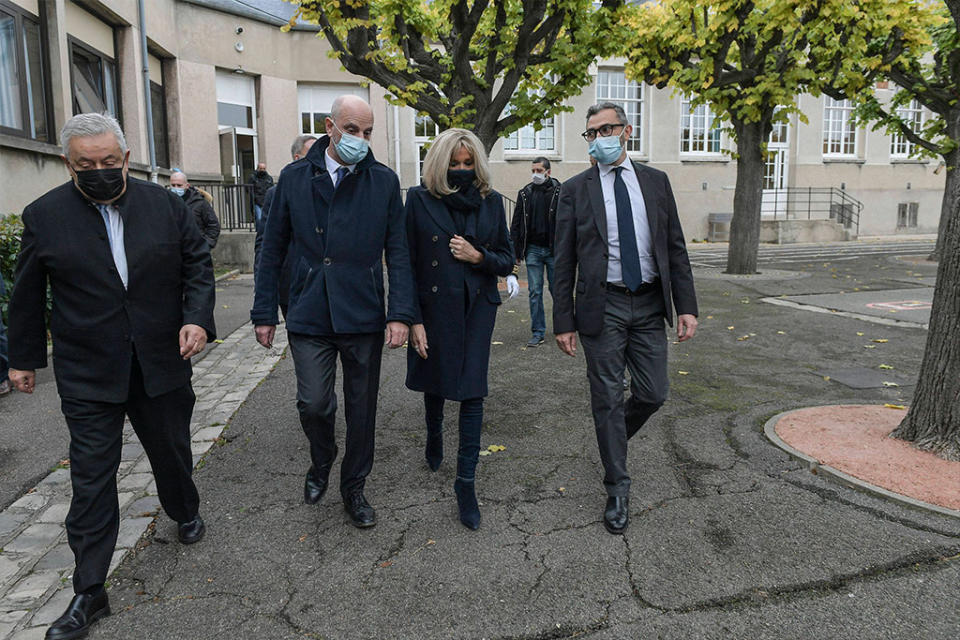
<point x="456" y="302"/>
<point x="95" y="322"/>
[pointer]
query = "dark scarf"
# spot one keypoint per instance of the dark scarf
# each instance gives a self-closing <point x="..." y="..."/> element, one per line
<point x="465" y="200"/>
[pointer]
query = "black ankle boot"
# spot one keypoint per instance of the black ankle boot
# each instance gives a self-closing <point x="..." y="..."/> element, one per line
<point x="434" y="450"/>
<point x="467" y="503"/>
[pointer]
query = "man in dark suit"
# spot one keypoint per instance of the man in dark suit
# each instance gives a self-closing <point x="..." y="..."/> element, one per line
<point x="338" y="210"/>
<point x="133" y="298"/>
<point x="620" y="247"/>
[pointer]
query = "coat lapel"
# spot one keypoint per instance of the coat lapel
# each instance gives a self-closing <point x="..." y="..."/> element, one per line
<point x="649" y="200"/>
<point x="322" y="187"/>
<point x="438" y="211"/>
<point x="596" y="202"/>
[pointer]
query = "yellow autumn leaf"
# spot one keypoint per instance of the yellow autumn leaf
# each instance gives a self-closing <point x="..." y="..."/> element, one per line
<point x="859" y="333"/>
<point x="880" y="340"/>
<point x="742" y="338"/>
<point x="890" y="384"/>
<point x="730" y="328"/>
<point x="781" y="333"/>
<point x="496" y="342"/>
<point x="869" y="346"/>
<point x="709" y="317"/>
<point x="827" y="378"/>
<point x="218" y="341"/>
<point x="885" y="366"/>
<point x="226" y="306"/>
<point x="484" y="453"/>
<point x="683" y="373"/>
<point x="894" y="406"/>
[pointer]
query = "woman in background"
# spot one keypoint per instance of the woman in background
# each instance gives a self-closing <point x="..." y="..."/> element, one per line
<point x="459" y="244"/>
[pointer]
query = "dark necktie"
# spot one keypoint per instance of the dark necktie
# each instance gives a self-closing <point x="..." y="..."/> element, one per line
<point x="629" y="255"/>
<point x="341" y="174"/>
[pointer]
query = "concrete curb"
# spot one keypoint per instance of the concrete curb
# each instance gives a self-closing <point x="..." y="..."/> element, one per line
<point x="769" y="429"/>
<point x="890" y="322"/>
<point x="226" y="275"/>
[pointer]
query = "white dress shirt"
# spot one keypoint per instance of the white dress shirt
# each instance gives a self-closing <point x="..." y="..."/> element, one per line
<point x="648" y="266"/>
<point x="114" y="224"/>
<point x="333" y="165"/>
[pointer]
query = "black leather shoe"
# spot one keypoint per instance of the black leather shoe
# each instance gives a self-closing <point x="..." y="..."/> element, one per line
<point x="83" y="611"/>
<point x="616" y="516"/>
<point x="313" y="487"/>
<point x="191" y="532"/>
<point x="361" y="513"/>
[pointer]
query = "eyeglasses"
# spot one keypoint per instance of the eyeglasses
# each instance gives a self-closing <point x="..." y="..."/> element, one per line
<point x="604" y="130"/>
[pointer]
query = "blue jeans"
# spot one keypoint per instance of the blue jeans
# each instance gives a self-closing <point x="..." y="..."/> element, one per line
<point x="537" y="259"/>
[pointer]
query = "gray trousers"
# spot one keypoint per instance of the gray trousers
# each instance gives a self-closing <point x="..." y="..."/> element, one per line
<point x="633" y="336"/>
<point x="315" y="362"/>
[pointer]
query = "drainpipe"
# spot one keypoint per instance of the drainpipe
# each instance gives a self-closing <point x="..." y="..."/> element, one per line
<point x="146" y="90"/>
<point x="396" y="140"/>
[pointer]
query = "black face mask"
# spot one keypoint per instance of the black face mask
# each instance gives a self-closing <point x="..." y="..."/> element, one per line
<point x="461" y="178"/>
<point x="101" y="184"/>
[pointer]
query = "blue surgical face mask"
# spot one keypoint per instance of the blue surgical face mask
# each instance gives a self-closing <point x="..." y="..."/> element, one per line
<point x="351" y="149"/>
<point x="606" y="149"/>
<point x="178" y="190"/>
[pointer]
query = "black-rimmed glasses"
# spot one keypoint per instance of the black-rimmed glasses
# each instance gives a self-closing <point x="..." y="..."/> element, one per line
<point x="604" y="130"/>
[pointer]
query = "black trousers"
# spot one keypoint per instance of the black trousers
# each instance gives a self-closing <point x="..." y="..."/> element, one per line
<point x="96" y="438"/>
<point x="633" y="336"/>
<point x="315" y="362"/>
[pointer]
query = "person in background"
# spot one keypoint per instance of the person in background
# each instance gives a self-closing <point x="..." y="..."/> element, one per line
<point x="198" y="204"/>
<point x="261" y="181"/>
<point x="459" y="244"/>
<point x="340" y="212"/>
<point x="4" y="379"/>
<point x="133" y="296"/>
<point x="301" y="144"/>
<point x="532" y="231"/>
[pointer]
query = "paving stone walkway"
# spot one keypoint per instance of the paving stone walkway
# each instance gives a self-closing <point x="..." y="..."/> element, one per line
<point x="36" y="564"/>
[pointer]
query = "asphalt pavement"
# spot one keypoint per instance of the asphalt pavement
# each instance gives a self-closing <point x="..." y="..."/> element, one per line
<point x="729" y="537"/>
<point x="34" y="435"/>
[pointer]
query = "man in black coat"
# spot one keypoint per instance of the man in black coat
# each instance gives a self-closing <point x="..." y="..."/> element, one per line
<point x="197" y="203"/>
<point x="261" y="182"/>
<point x="133" y="298"/>
<point x="621" y="249"/>
<point x="339" y="211"/>
<point x="532" y="232"/>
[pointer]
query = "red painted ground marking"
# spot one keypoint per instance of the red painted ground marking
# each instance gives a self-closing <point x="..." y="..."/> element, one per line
<point x="903" y="305"/>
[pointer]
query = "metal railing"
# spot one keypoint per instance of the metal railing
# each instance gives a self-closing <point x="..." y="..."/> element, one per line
<point x="812" y="203"/>
<point x="233" y="204"/>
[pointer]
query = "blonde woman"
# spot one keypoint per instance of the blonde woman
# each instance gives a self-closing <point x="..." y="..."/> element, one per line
<point x="459" y="244"/>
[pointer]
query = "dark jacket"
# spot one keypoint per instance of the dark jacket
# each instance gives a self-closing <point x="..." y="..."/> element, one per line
<point x="284" y="285"/>
<point x="95" y="323"/>
<point x="580" y="251"/>
<point x="522" y="217"/>
<point x="456" y="302"/>
<point x="338" y="241"/>
<point x="260" y="182"/>
<point x="204" y="215"/>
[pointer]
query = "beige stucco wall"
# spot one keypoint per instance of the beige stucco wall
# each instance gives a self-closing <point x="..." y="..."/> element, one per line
<point x="199" y="151"/>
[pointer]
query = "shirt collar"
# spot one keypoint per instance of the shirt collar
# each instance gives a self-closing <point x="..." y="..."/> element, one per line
<point x="606" y="169"/>
<point x="333" y="165"/>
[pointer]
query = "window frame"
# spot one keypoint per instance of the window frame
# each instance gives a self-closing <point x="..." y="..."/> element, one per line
<point x="635" y="144"/>
<point x="420" y="141"/>
<point x="75" y="42"/>
<point x="165" y="138"/>
<point x="845" y="107"/>
<point x="20" y="15"/>
<point x="535" y="150"/>
<point x="688" y="113"/>
<point x="898" y="139"/>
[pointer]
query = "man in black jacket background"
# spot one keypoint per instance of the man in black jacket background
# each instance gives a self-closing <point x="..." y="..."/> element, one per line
<point x="197" y="203"/>
<point x="261" y="181"/>
<point x="532" y="231"/>
<point x="133" y="297"/>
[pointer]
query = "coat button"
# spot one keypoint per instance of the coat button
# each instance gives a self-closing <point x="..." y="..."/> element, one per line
<point x="319" y="230"/>
<point x="433" y="288"/>
<point x="327" y="261"/>
<point x="434" y="263"/>
<point x="435" y="238"/>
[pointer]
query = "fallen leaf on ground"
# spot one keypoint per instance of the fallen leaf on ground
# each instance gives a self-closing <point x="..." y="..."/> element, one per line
<point x="218" y="341"/>
<point x="484" y="453"/>
<point x="730" y="328"/>
<point x="890" y="384"/>
<point x="781" y="333"/>
<point x="880" y="340"/>
<point x="683" y="373"/>
<point x="885" y="366"/>
<point x="827" y="378"/>
<point x="869" y="346"/>
<point x="385" y="564"/>
<point x="894" y="406"/>
<point x="742" y="338"/>
<point x="302" y="538"/>
<point x="709" y="317"/>
<point x="496" y="342"/>
<point x="859" y="333"/>
<point x="496" y="447"/>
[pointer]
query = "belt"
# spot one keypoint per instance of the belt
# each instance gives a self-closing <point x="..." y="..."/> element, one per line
<point x="646" y="286"/>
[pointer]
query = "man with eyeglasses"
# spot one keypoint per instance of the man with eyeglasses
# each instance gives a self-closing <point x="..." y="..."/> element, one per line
<point x="621" y="267"/>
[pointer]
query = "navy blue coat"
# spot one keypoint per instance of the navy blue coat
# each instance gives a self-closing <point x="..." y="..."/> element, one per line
<point x="338" y="238"/>
<point x="456" y="302"/>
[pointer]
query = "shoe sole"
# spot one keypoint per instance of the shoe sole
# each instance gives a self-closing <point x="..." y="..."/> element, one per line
<point x="613" y="530"/>
<point x="193" y="540"/>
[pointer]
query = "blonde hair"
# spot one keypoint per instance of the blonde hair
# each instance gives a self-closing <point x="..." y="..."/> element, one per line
<point x="437" y="162"/>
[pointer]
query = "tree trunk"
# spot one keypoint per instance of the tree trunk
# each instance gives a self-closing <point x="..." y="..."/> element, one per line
<point x="933" y="422"/>
<point x="745" y="226"/>
<point x="952" y="117"/>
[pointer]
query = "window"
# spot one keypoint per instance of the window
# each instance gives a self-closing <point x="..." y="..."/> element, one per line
<point x="839" y="131"/>
<point x="907" y="214"/>
<point x="158" y="107"/>
<point x="315" y="101"/>
<point x="527" y="138"/>
<point x="236" y="101"/>
<point x="912" y="114"/>
<point x="23" y="80"/>
<point x="699" y="129"/>
<point x="424" y="131"/>
<point x="613" y="86"/>
<point x="94" y="79"/>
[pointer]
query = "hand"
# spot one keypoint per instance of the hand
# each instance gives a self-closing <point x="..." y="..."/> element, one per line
<point x="568" y="342"/>
<point x="24" y="381"/>
<point x="513" y="287"/>
<point x="686" y="326"/>
<point x="395" y="334"/>
<point x="464" y="251"/>
<point x="193" y="338"/>
<point x="265" y="333"/>
<point x="418" y="340"/>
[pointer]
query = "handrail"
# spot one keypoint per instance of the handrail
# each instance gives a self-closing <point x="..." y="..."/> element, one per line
<point x="812" y="203"/>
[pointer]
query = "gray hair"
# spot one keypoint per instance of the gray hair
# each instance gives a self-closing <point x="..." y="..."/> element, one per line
<point x="87" y="125"/>
<point x="298" y="143"/>
<point x="179" y="173"/>
<point x="603" y="106"/>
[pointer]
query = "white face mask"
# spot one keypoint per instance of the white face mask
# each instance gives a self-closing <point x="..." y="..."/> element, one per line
<point x="539" y="178"/>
